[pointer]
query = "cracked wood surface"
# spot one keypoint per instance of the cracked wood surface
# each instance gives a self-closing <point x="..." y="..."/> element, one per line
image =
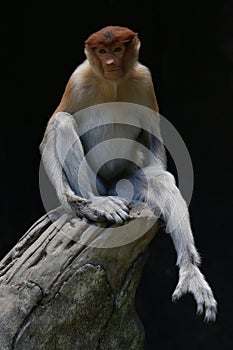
<point x="69" y="284"/>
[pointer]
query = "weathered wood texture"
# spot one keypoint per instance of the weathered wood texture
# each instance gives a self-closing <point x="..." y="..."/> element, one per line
<point x="69" y="284"/>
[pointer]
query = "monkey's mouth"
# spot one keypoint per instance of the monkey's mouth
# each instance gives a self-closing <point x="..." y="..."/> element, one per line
<point x="113" y="74"/>
<point x="113" y="70"/>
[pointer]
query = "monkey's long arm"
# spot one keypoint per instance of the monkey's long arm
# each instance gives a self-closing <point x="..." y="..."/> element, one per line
<point x="53" y="166"/>
<point x="190" y="277"/>
<point x="174" y="211"/>
<point x="62" y="154"/>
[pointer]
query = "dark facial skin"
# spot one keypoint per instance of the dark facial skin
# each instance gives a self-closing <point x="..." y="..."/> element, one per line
<point x="111" y="60"/>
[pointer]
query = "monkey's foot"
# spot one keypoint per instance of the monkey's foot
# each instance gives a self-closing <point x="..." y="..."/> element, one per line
<point x="192" y="280"/>
<point x="113" y="209"/>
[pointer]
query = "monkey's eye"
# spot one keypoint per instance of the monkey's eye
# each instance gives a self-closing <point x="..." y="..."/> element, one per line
<point x="102" y="51"/>
<point x="117" y="49"/>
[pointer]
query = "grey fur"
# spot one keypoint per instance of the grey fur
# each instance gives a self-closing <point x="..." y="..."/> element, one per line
<point x="62" y="154"/>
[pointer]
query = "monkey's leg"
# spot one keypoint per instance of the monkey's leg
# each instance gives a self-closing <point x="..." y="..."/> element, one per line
<point x="81" y="179"/>
<point x="158" y="189"/>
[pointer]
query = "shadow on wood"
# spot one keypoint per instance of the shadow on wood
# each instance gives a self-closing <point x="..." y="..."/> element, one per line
<point x="69" y="284"/>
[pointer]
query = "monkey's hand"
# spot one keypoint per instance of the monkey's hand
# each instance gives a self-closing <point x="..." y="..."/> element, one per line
<point x="113" y="209"/>
<point x="192" y="280"/>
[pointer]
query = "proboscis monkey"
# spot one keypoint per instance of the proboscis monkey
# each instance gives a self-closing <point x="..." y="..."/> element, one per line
<point x="112" y="73"/>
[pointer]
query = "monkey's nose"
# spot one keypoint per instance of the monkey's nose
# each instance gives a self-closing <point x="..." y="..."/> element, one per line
<point x="109" y="61"/>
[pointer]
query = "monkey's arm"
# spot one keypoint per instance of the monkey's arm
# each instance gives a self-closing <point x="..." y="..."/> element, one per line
<point x="62" y="154"/>
<point x="166" y="197"/>
<point x="53" y="165"/>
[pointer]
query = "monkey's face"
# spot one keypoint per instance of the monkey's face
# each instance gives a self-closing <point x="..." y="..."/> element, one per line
<point x="112" y="51"/>
<point x="111" y="60"/>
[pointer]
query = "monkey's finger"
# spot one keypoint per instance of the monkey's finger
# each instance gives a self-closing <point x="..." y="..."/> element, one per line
<point x="117" y="219"/>
<point x="179" y="291"/>
<point x="114" y="218"/>
<point x="109" y="217"/>
<point x="210" y="307"/>
<point x="93" y="215"/>
<point x="120" y="201"/>
<point x="199" y="309"/>
<point x="117" y="205"/>
<point x="175" y="297"/>
<point x="210" y="313"/>
<point x="199" y="297"/>
<point x="204" y="298"/>
<point x="123" y="214"/>
<point x="123" y="207"/>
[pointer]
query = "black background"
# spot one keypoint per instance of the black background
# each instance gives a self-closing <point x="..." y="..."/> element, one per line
<point x="189" y="50"/>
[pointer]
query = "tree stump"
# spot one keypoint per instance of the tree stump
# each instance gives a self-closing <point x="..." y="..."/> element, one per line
<point x="70" y="284"/>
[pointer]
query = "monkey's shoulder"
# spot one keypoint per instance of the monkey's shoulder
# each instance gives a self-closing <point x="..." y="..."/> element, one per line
<point x="141" y="75"/>
<point x="138" y="88"/>
<point x="83" y="87"/>
<point x="84" y="77"/>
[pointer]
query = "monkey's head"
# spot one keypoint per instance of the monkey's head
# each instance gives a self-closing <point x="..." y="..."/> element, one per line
<point x="112" y="51"/>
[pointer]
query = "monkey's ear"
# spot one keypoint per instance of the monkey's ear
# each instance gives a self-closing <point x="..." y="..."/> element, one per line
<point x="131" y="53"/>
<point x="87" y="46"/>
<point x="130" y="38"/>
<point x="134" y="43"/>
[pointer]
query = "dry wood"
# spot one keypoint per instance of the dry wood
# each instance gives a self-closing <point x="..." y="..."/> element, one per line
<point x="69" y="284"/>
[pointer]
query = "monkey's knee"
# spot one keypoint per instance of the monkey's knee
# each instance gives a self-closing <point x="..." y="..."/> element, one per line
<point x="161" y="194"/>
<point x="159" y="185"/>
<point x="152" y="185"/>
<point x="164" y="180"/>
